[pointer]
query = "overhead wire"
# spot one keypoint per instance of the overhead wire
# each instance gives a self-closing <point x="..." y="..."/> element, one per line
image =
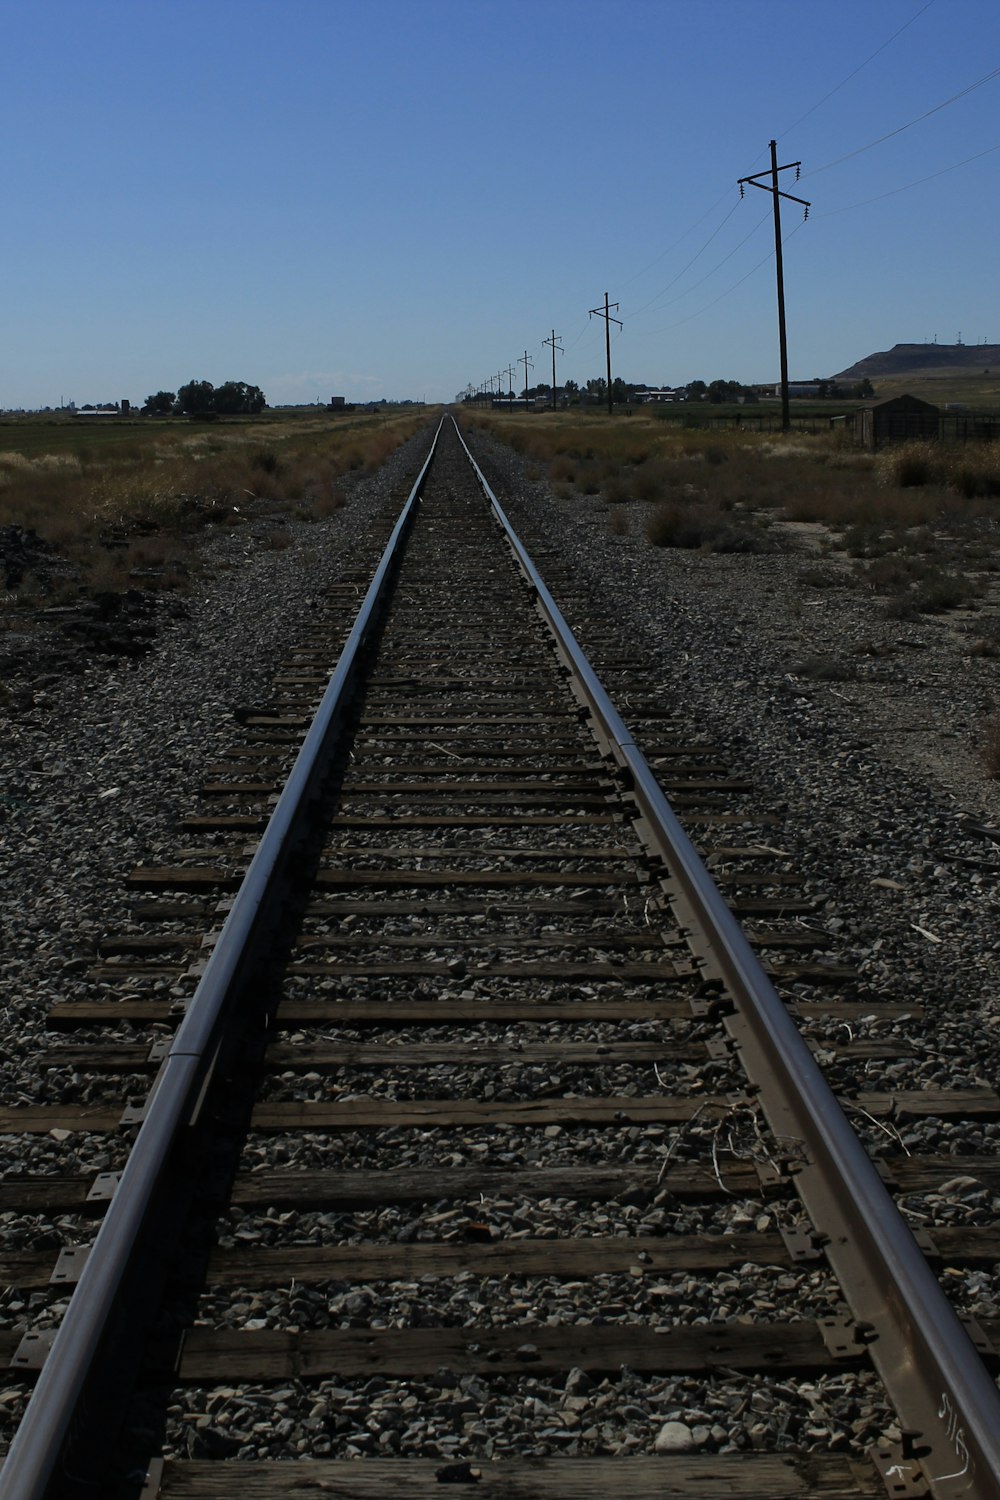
<point x="844" y="81"/>
<point x="729" y="290"/>
<point x="899" y="130"/>
<point x="892" y="192"/>
<point x="860" y="150"/>
<point x="719" y="264"/>
<point x="680" y="238"/>
<point x="961" y="94"/>
<point x="690" y="263"/>
<point x="819" y="103"/>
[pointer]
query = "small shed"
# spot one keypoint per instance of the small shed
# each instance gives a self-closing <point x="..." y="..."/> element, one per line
<point x="895" y="420"/>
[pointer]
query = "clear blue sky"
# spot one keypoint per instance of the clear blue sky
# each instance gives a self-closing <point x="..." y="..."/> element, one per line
<point x="400" y="197"/>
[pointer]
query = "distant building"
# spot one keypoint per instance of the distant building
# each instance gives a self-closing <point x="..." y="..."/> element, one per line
<point x="338" y="401"/>
<point x="895" y="420"/>
<point x="660" y="397"/>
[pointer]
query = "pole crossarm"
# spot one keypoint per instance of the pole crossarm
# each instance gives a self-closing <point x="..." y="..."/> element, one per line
<point x="604" y="313"/>
<point x="806" y="202"/>
<point x="771" y="185"/>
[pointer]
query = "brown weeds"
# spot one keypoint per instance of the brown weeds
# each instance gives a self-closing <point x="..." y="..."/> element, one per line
<point x="119" y="513"/>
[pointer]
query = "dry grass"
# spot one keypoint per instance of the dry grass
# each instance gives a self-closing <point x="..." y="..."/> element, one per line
<point x="932" y="510"/>
<point x="178" y="481"/>
<point x="151" y="497"/>
<point x="971" y="471"/>
<point x="803" y="477"/>
<point x="702" y="526"/>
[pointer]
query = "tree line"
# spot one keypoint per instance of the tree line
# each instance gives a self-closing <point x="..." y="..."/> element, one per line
<point x="715" y="391"/>
<point x="201" y="397"/>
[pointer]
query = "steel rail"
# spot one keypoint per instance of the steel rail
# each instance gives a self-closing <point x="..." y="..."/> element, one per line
<point x="947" y="1402"/>
<point x="38" y="1443"/>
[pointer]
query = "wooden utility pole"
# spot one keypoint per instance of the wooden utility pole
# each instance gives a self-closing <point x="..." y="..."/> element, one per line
<point x="554" y="342"/>
<point x="510" y="381"/>
<point x="528" y="364"/>
<point x="605" y="313"/>
<point x="776" y="196"/>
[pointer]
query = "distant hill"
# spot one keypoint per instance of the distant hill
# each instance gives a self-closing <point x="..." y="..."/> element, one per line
<point x="904" y="360"/>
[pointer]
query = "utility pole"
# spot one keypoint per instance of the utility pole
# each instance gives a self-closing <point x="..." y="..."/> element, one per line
<point x="777" y="195"/>
<point x="554" y="341"/>
<point x="510" y="381"/>
<point x="529" y="364"/>
<point x="605" y="313"/>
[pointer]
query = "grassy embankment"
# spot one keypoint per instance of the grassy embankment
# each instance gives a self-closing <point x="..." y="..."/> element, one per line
<point x="120" y="502"/>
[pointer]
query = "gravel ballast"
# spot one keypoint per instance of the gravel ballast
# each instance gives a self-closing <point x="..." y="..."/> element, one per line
<point x="880" y="817"/>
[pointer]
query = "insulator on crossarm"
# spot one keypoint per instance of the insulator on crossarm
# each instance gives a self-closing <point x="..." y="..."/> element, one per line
<point x="741" y="190"/>
<point x="806" y="214"/>
<point x="798" y="173"/>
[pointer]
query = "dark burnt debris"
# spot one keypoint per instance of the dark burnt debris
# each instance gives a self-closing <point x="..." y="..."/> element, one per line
<point x="55" y="626"/>
<point x="22" y="551"/>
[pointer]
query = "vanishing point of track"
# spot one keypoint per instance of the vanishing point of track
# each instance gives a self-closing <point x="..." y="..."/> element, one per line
<point x="473" y="959"/>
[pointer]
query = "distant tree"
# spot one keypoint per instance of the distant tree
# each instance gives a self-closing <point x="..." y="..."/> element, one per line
<point x="571" y="388"/>
<point x="160" y="405"/>
<point x="237" y="396"/>
<point x="597" y="389"/>
<point x="620" y="391"/>
<point x="696" y="390"/>
<point x="724" y="390"/>
<point x="863" y="389"/>
<point x="197" y="396"/>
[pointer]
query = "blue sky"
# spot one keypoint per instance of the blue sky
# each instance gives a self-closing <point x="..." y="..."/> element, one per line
<point x="400" y="198"/>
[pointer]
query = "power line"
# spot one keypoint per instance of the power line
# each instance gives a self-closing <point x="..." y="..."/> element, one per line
<point x="969" y="89"/>
<point x="823" y="100"/>
<point x="690" y="230"/>
<point x="579" y="336"/>
<point x="891" y="193"/>
<point x="857" y="70"/>
<point x="730" y="289"/>
<point x="679" y="240"/>
<point x="719" y="264"/>
<point x="690" y="263"/>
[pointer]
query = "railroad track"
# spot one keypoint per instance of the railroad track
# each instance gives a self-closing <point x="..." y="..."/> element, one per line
<point x="480" y="1148"/>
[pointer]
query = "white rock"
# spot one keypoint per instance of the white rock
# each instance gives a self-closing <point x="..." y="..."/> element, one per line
<point x="674" y="1437"/>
